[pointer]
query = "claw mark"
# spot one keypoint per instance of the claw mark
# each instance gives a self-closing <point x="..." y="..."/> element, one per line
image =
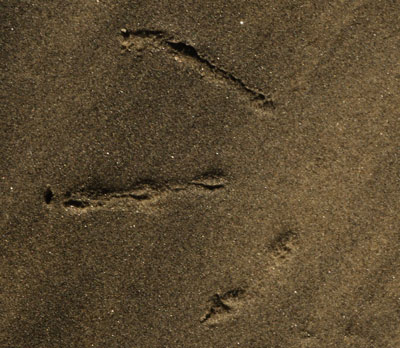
<point x="90" y="199"/>
<point x="141" y="39"/>
<point x="222" y="305"/>
<point x="144" y="193"/>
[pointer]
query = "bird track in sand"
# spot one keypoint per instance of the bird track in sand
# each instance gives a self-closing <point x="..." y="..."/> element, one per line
<point x="232" y="304"/>
<point x="142" y="193"/>
<point x="139" y="40"/>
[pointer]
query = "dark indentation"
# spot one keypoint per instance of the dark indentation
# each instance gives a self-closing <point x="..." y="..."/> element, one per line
<point x="142" y="33"/>
<point x="187" y="50"/>
<point x="94" y="194"/>
<point x="190" y="51"/>
<point x="281" y="241"/>
<point x="48" y="195"/>
<point x="96" y="189"/>
<point x="163" y="40"/>
<point x="210" y="180"/>
<point x="219" y="305"/>
<point x="208" y="186"/>
<point x="146" y="33"/>
<point x="262" y="99"/>
<point x="77" y="203"/>
<point x="140" y="197"/>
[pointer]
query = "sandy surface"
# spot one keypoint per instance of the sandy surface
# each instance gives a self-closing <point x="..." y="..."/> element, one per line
<point x="200" y="174"/>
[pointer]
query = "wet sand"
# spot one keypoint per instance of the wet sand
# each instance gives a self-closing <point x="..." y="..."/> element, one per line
<point x="200" y="174"/>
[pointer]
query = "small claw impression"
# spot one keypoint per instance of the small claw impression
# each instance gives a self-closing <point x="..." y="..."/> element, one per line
<point x="224" y="306"/>
<point x="142" y="39"/>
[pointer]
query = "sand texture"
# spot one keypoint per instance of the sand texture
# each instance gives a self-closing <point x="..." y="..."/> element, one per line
<point x="203" y="174"/>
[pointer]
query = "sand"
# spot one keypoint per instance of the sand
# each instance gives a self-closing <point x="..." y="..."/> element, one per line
<point x="200" y="174"/>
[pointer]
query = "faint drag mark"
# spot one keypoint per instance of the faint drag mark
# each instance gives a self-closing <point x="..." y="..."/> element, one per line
<point x="139" y="40"/>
